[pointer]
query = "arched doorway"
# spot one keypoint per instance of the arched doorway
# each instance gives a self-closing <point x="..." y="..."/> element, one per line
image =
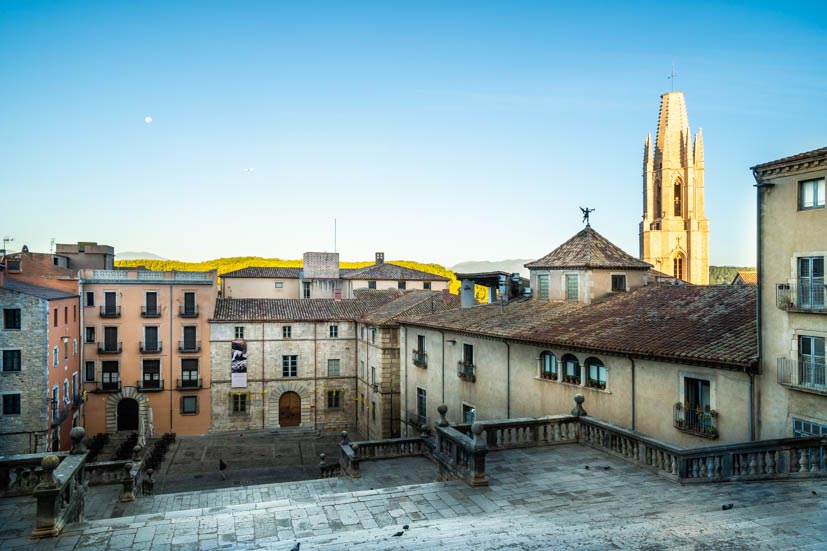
<point x="127" y="414"/>
<point x="290" y="410"/>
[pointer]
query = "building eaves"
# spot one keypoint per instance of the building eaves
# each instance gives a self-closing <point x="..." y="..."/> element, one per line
<point x="389" y="271"/>
<point x="588" y="250"/>
<point x="45" y="293"/>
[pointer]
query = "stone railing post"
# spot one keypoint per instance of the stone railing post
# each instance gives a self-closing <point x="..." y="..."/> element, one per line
<point x="128" y="482"/>
<point x="578" y="410"/>
<point x="355" y="471"/>
<point x="77" y="434"/>
<point x="478" y="453"/>
<point x="443" y="421"/>
<point x="345" y="439"/>
<point x="47" y="494"/>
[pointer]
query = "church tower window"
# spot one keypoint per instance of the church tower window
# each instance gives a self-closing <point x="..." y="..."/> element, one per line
<point x="677" y="267"/>
<point x="678" y="199"/>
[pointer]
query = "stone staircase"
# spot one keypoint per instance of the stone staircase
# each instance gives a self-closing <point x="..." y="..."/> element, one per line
<point x="294" y="433"/>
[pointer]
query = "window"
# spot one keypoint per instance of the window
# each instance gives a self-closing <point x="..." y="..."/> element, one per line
<point x="373" y="410"/>
<point x="55" y="401"/>
<point x="55" y="356"/>
<point x="373" y="375"/>
<point x="678" y="199"/>
<point x="75" y="387"/>
<point x="618" y="282"/>
<point x="811" y="194"/>
<point x="90" y="334"/>
<point x="362" y="399"/>
<point x="371" y="285"/>
<point x="333" y="331"/>
<point x="89" y="372"/>
<point x="110" y="307"/>
<point x="11" y="318"/>
<point x="190" y="307"/>
<point x="420" y="344"/>
<point x="279" y="285"/>
<point x="74" y="312"/>
<point x="333" y="367"/>
<point x="334" y="399"/>
<point x="189" y="373"/>
<point x="808" y="428"/>
<point x="696" y="394"/>
<point x="811" y="282"/>
<point x="362" y="332"/>
<point x="189" y="405"/>
<point x="11" y="360"/>
<point x="468" y="354"/>
<point x="400" y="285"/>
<point x="151" y="343"/>
<point x="364" y="370"/>
<point x="289" y="366"/>
<point x="469" y="414"/>
<point x="66" y="397"/>
<point x="110" y="378"/>
<point x="190" y="338"/>
<point x="677" y="267"/>
<point x="90" y="298"/>
<point x="658" y="200"/>
<point x="306" y="289"/>
<point x="286" y="332"/>
<point x="426" y="285"/>
<point x="152" y="374"/>
<point x="571" y="287"/>
<point x="421" y="406"/>
<point x="542" y="286"/>
<point x="548" y="365"/>
<point x="811" y="363"/>
<point x="65" y="315"/>
<point x="373" y="335"/>
<point x="571" y="369"/>
<point x="239" y="402"/>
<point x="597" y="373"/>
<point x="55" y="318"/>
<point x="239" y="332"/>
<point x="110" y="339"/>
<point x="11" y="404"/>
<point x="151" y="303"/>
<point x="65" y="349"/>
<point x="74" y="347"/>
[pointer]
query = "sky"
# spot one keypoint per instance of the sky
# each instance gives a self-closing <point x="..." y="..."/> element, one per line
<point x="433" y="131"/>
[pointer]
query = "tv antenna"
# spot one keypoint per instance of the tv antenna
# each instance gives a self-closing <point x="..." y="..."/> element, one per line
<point x="6" y="241"/>
<point x="673" y="76"/>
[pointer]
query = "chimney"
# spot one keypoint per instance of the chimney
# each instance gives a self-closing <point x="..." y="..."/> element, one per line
<point x="337" y="294"/>
<point x="380" y="258"/>
<point x="446" y="297"/>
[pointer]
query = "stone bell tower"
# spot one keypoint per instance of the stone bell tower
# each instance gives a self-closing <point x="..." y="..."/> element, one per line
<point x="674" y="232"/>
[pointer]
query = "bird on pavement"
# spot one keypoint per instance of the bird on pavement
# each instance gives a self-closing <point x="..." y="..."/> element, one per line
<point x="396" y="535"/>
<point x="296" y="547"/>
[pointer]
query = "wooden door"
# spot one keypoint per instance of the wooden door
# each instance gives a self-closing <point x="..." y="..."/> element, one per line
<point x="290" y="410"/>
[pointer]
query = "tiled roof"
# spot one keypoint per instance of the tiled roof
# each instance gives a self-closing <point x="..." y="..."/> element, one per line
<point x="711" y="325"/>
<point x="35" y="290"/>
<point x="256" y="271"/>
<point x="412" y="303"/>
<point x="388" y="271"/>
<point x="588" y="249"/>
<point x="275" y="309"/>
<point x="747" y="277"/>
<point x="821" y="152"/>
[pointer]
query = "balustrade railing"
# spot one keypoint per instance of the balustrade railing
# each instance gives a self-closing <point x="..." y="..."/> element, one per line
<point x="694" y="420"/>
<point x="353" y="453"/>
<point x="808" y="374"/>
<point x="20" y="474"/>
<point x="804" y="295"/>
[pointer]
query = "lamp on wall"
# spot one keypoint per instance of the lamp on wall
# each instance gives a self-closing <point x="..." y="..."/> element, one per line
<point x="451" y="341"/>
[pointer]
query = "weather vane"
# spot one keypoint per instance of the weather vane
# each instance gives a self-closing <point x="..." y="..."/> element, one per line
<point x="586" y="211"/>
<point x="673" y="76"/>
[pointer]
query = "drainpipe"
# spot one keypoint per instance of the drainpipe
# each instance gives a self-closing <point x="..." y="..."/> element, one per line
<point x="405" y="367"/>
<point x="171" y="318"/>
<point x="315" y="380"/>
<point x="751" y="405"/>
<point x="443" y="365"/>
<point x="262" y="376"/>
<point x="356" y="371"/>
<point x="759" y="187"/>
<point x="632" y="360"/>
<point x="507" y="380"/>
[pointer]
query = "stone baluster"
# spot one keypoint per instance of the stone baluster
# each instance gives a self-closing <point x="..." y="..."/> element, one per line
<point x="49" y="501"/>
<point x="345" y="438"/>
<point x="695" y="469"/>
<point x="814" y="461"/>
<point x="803" y="460"/>
<point x="702" y="472"/>
<point x="443" y="421"/>
<point x="478" y="453"/>
<point x="128" y="482"/>
<point x="578" y="410"/>
<point x="753" y="464"/>
<point x="770" y="462"/>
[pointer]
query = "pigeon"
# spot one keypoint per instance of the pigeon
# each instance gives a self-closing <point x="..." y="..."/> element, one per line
<point x="405" y="527"/>
<point x="607" y="468"/>
<point x="587" y="467"/>
<point x="727" y="507"/>
<point x="814" y="493"/>
<point x="296" y="547"/>
<point x="396" y="535"/>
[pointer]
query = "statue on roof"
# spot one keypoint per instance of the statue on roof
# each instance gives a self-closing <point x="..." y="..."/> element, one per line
<point x="586" y="211"/>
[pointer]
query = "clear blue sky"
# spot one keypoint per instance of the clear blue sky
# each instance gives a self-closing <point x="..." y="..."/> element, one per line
<point x="442" y="131"/>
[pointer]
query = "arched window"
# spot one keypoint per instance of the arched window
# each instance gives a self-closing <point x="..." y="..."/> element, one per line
<point x="571" y="369"/>
<point x="678" y="198"/>
<point x="597" y="373"/>
<point x="677" y="266"/>
<point x="658" y="207"/>
<point x="548" y="365"/>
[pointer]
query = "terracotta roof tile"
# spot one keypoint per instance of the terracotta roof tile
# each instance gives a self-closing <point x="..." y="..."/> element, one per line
<point x="259" y="271"/>
<point x="588" y="249"/>
<point x="274" y="309"/>
<point x="412" y="303"/>
<point x="793" y="158"/>
<point x="388" y="271"/>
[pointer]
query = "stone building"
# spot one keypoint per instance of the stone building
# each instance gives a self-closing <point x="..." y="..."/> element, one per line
<point x="40" y="393"/>
<point x="792" y="246"/>
<point x="146" y="355"/>
<point x="670" y="361"/>
<point x="322" y="277"/>
<point x="674" y="232"/>
<point x="585" y="268"/>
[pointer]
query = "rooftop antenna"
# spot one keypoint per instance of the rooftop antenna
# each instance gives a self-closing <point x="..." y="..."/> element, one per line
<point x="673" y="76"/>
<point x="52" y="246"/>
<point x="334" y="235"/>
<point x="6" y="241"/>
<point x="586" y="211"/>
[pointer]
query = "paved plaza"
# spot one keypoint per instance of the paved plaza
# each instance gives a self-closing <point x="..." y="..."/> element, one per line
<point x="539" y="498"/>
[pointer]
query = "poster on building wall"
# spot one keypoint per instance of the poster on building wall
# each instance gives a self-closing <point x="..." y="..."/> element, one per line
<point x="238" y="367"/>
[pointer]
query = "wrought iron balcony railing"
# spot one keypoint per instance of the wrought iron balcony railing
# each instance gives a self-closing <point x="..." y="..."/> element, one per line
<point x="804" y="374"/>
<point x="697" y="421"/>
<point x="151" y="347"/>
<point x="108" y="347"/>
<point x="420" y="359"/>
<point x="188" y="384"/>
<point x="150" y="385"/>
<point x="189" y="346"/>
<point x="466" y="371"/>
<point x="803" y="296"/>
<point x="150" y="312"/>
<point x="110" y="311"/>
<point x="109" y="386"/>
<point x="191" y="312"/>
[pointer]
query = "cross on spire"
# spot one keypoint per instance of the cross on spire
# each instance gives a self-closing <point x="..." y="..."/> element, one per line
<point x="586" y="211"/>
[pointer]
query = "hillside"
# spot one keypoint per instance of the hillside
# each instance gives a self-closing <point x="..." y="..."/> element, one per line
<point x="723" y="275"/>
<point x="224" y="265"/>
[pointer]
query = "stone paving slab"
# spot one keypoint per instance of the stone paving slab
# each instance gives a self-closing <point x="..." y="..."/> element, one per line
<point x="542" y="498"/>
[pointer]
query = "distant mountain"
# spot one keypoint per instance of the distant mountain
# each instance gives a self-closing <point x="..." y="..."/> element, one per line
<point x="138" y="256"/>
<point x="511" y="266"/>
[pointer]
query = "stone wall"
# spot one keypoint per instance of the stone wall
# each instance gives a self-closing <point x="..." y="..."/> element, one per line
<point x="31" y="380"/>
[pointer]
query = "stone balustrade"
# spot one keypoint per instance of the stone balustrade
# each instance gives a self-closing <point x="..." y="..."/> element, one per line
<point x="20" y="474"/>
<point x="353" y="453"/>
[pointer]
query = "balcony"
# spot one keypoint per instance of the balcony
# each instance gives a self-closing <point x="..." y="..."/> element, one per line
<point x="59" y="415"/>
<point x="77" y="401"/>
<point x="110" y="311"/>
<point x="150" y="385"/>
<point x="696" y="421"/>
<point x="189" y="346"/>
<point x="111" y="386"/>
<point x="420" y="359"/>
<point x="804" y="296"/>
<point x="110" y="347"/>
<point x="153" y="312"/>
<point x="150" y="347"/>
<point x="467" y="371"/>
<point x="809" y="375"/>
<point x="416" y="420"/>
<point x="188" y="312"/>
<point x="188" y="384"/>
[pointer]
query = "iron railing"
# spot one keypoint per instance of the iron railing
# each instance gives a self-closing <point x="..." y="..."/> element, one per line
<point x="420" y="359"/>
<point x="186" y="384"/>
<point x="150" y="385"/>
<point x="697" y="421"/>
<point x="151" y="347"/>
<point x="110" y="386"/>
<point x="108" y="347"/>
<point x="805" y="295"/>
<point x="150" y="312"/>
<point x="110" y="311"/>
<point x="191" y="312"/>
<point x="466" y="371"/>
<point x="189" y="346"/>
<point x="807" y="374"/>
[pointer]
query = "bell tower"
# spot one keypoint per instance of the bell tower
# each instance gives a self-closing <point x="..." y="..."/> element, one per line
<point x="674" y="232"/>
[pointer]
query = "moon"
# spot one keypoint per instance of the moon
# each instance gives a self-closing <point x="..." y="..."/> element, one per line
<point x="147" y="120"/>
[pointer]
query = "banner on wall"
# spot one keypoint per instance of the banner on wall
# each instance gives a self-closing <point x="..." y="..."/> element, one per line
<point x="238" y="367"/>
